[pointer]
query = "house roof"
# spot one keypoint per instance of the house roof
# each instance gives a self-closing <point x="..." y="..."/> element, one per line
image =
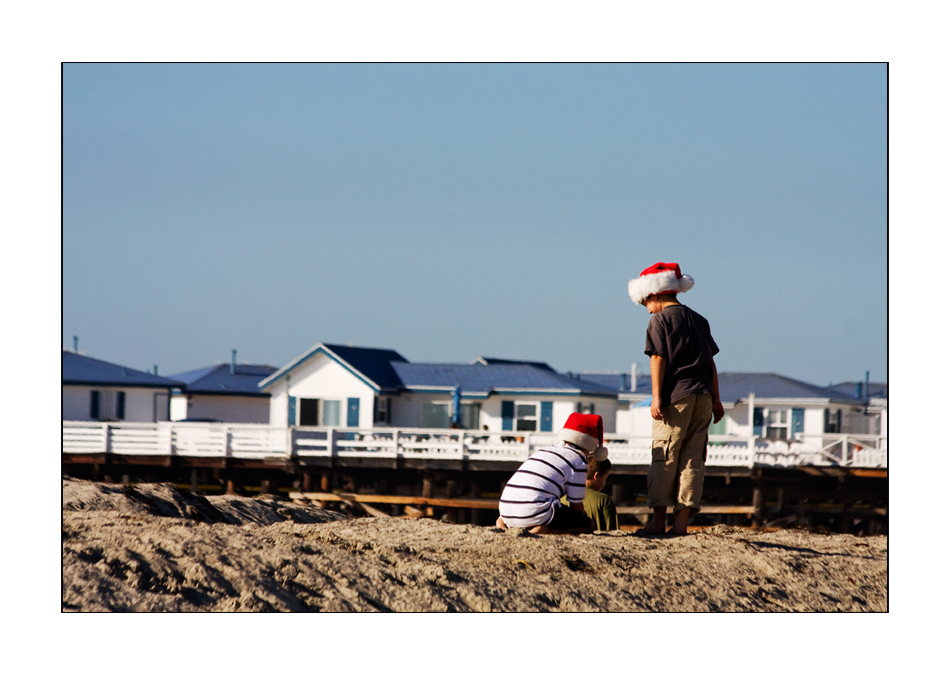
<point x="735" y="386"/>
<point x="483" y="379"/>
<point x="374" y="366"/>
<point x="874" y="389"/>
<point x="619" y="382"/>
<point x="219" y="379"/>
<point x="387" y="370"/>
<point x="81" y="369"/>
<point x="489" y="361"/>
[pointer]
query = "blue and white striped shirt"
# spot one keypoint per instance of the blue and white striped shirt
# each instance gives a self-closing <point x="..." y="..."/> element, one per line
<point x="530" y="497"/>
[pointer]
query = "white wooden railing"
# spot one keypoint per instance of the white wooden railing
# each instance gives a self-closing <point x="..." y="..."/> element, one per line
<point x="261" y="441"/>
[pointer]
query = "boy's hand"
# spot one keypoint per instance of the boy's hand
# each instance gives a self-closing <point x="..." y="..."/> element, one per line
<point x="656" y="412"/>
<point x="718" y="411"/>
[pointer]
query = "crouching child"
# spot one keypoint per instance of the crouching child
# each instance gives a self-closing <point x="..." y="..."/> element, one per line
<point x="532" y="497"/>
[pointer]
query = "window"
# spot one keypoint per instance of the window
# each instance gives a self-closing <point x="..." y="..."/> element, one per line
<point x="381" y="415"/>
<point x="309" y="412"/>
<point x="526" y="417"/>
<point x="772" y="423"/>
<point x="439" y="415"/>
<point x="436" y="415"/>
<point x="718" y="428"/>
<point x="331" y="413"/>
<point x="107" y="405"/>
<point x="777" y="425"/>
<point x="832" y="421"/>
<point x="470" y="412"/>
<point x="585" y="408"/>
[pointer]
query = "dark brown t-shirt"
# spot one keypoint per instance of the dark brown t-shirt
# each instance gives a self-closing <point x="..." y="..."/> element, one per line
<point x="682" y="337"/>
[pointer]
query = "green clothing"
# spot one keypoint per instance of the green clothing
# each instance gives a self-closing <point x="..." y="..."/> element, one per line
<point x="600" y="508"/>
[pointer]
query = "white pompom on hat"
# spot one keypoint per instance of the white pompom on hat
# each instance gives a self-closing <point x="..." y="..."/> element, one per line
<point x="657" y="279"/>
<point x="586" y="432"/>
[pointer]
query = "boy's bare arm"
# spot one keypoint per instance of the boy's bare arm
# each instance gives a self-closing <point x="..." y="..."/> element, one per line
<point x="717" y="408"/>
<point x="657" y="371"/>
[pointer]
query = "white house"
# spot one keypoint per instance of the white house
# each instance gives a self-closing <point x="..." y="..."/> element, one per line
<point x="340" y="386"/>
<point x="222" y="393"/>
<point x="782" y="408"/>
<point x="95" y="390"/>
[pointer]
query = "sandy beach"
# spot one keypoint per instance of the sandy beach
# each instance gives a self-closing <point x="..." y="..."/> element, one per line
<point x="153" y="548"/>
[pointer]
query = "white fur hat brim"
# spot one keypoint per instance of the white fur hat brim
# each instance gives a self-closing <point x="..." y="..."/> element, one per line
<point x="643" y="287"/>
<point x="581" y="440"/>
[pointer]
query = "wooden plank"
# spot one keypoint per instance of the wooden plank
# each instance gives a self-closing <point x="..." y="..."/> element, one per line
<point x="704" y="509"/>
<point x="869" y="473"/>
<point x="456" y="503"/>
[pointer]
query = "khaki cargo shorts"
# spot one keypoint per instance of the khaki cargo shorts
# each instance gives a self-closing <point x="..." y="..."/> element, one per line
<point x="675" y="477"/>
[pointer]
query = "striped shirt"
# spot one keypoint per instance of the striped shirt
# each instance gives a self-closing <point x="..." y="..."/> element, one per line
<point x="530" y="497"/>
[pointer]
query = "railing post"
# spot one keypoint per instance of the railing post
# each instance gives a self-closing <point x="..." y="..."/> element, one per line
<point x="331" y="441"/>
<point x="106" y="439"/>
<point x="165" y="437"/>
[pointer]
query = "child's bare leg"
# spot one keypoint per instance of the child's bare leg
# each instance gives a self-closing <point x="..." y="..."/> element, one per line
<point x="657" y="524"/>
<point x="680" y="521"/>
<point x="500" y="523"/>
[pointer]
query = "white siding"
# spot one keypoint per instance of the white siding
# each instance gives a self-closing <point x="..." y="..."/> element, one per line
<point x="139" y="402"/>
<point x="236" y="409"/>
<point x="325" y="379"/>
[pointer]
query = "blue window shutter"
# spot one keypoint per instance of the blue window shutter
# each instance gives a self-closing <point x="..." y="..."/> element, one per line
<point x="507" y="415"/>
<point x="352" y="412"/>
<point x="94" y="405"/>
<point x="798" y="420"/>
<point x="120" y="405"/>
<point x="547" y="415"/>
<point x="291" y="411"/>
<point x="758" y="421"/>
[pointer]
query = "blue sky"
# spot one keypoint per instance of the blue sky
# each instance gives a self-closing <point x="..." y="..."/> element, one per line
<point x="452" y="211"/>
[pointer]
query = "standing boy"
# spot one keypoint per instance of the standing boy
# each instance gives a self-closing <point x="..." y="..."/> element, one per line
<point x="685" y="396"/>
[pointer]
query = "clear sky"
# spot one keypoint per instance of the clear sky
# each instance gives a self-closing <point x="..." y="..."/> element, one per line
<point x="454" y="211"/>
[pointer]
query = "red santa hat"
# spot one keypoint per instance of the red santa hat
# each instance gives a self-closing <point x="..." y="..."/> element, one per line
<point x="659" y="278"/>
<point x="586" y="432"/>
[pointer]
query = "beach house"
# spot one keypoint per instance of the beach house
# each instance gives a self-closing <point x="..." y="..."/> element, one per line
<point x="763" y="405"/>
<point x="99" y="391"/>
<point x="222" y="393"/>
<point x="344" y="386"/>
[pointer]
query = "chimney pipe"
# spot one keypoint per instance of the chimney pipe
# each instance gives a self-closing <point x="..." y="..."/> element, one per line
<point x="156" y="369"/>
<point x="233" y="360"/>
<point x="75" y="343"/>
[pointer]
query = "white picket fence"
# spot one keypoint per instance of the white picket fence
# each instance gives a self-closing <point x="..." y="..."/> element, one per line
<point x="259" y="441"/>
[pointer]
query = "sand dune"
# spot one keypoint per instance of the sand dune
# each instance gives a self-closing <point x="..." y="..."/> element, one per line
<point x="151" y="548"/>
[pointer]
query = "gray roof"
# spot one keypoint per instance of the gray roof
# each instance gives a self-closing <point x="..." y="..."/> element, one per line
<point x="735" y="386"/>
<point x="219" y="379"/>
<point x="483" y="379"/>
<point x="80" y="369"/>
